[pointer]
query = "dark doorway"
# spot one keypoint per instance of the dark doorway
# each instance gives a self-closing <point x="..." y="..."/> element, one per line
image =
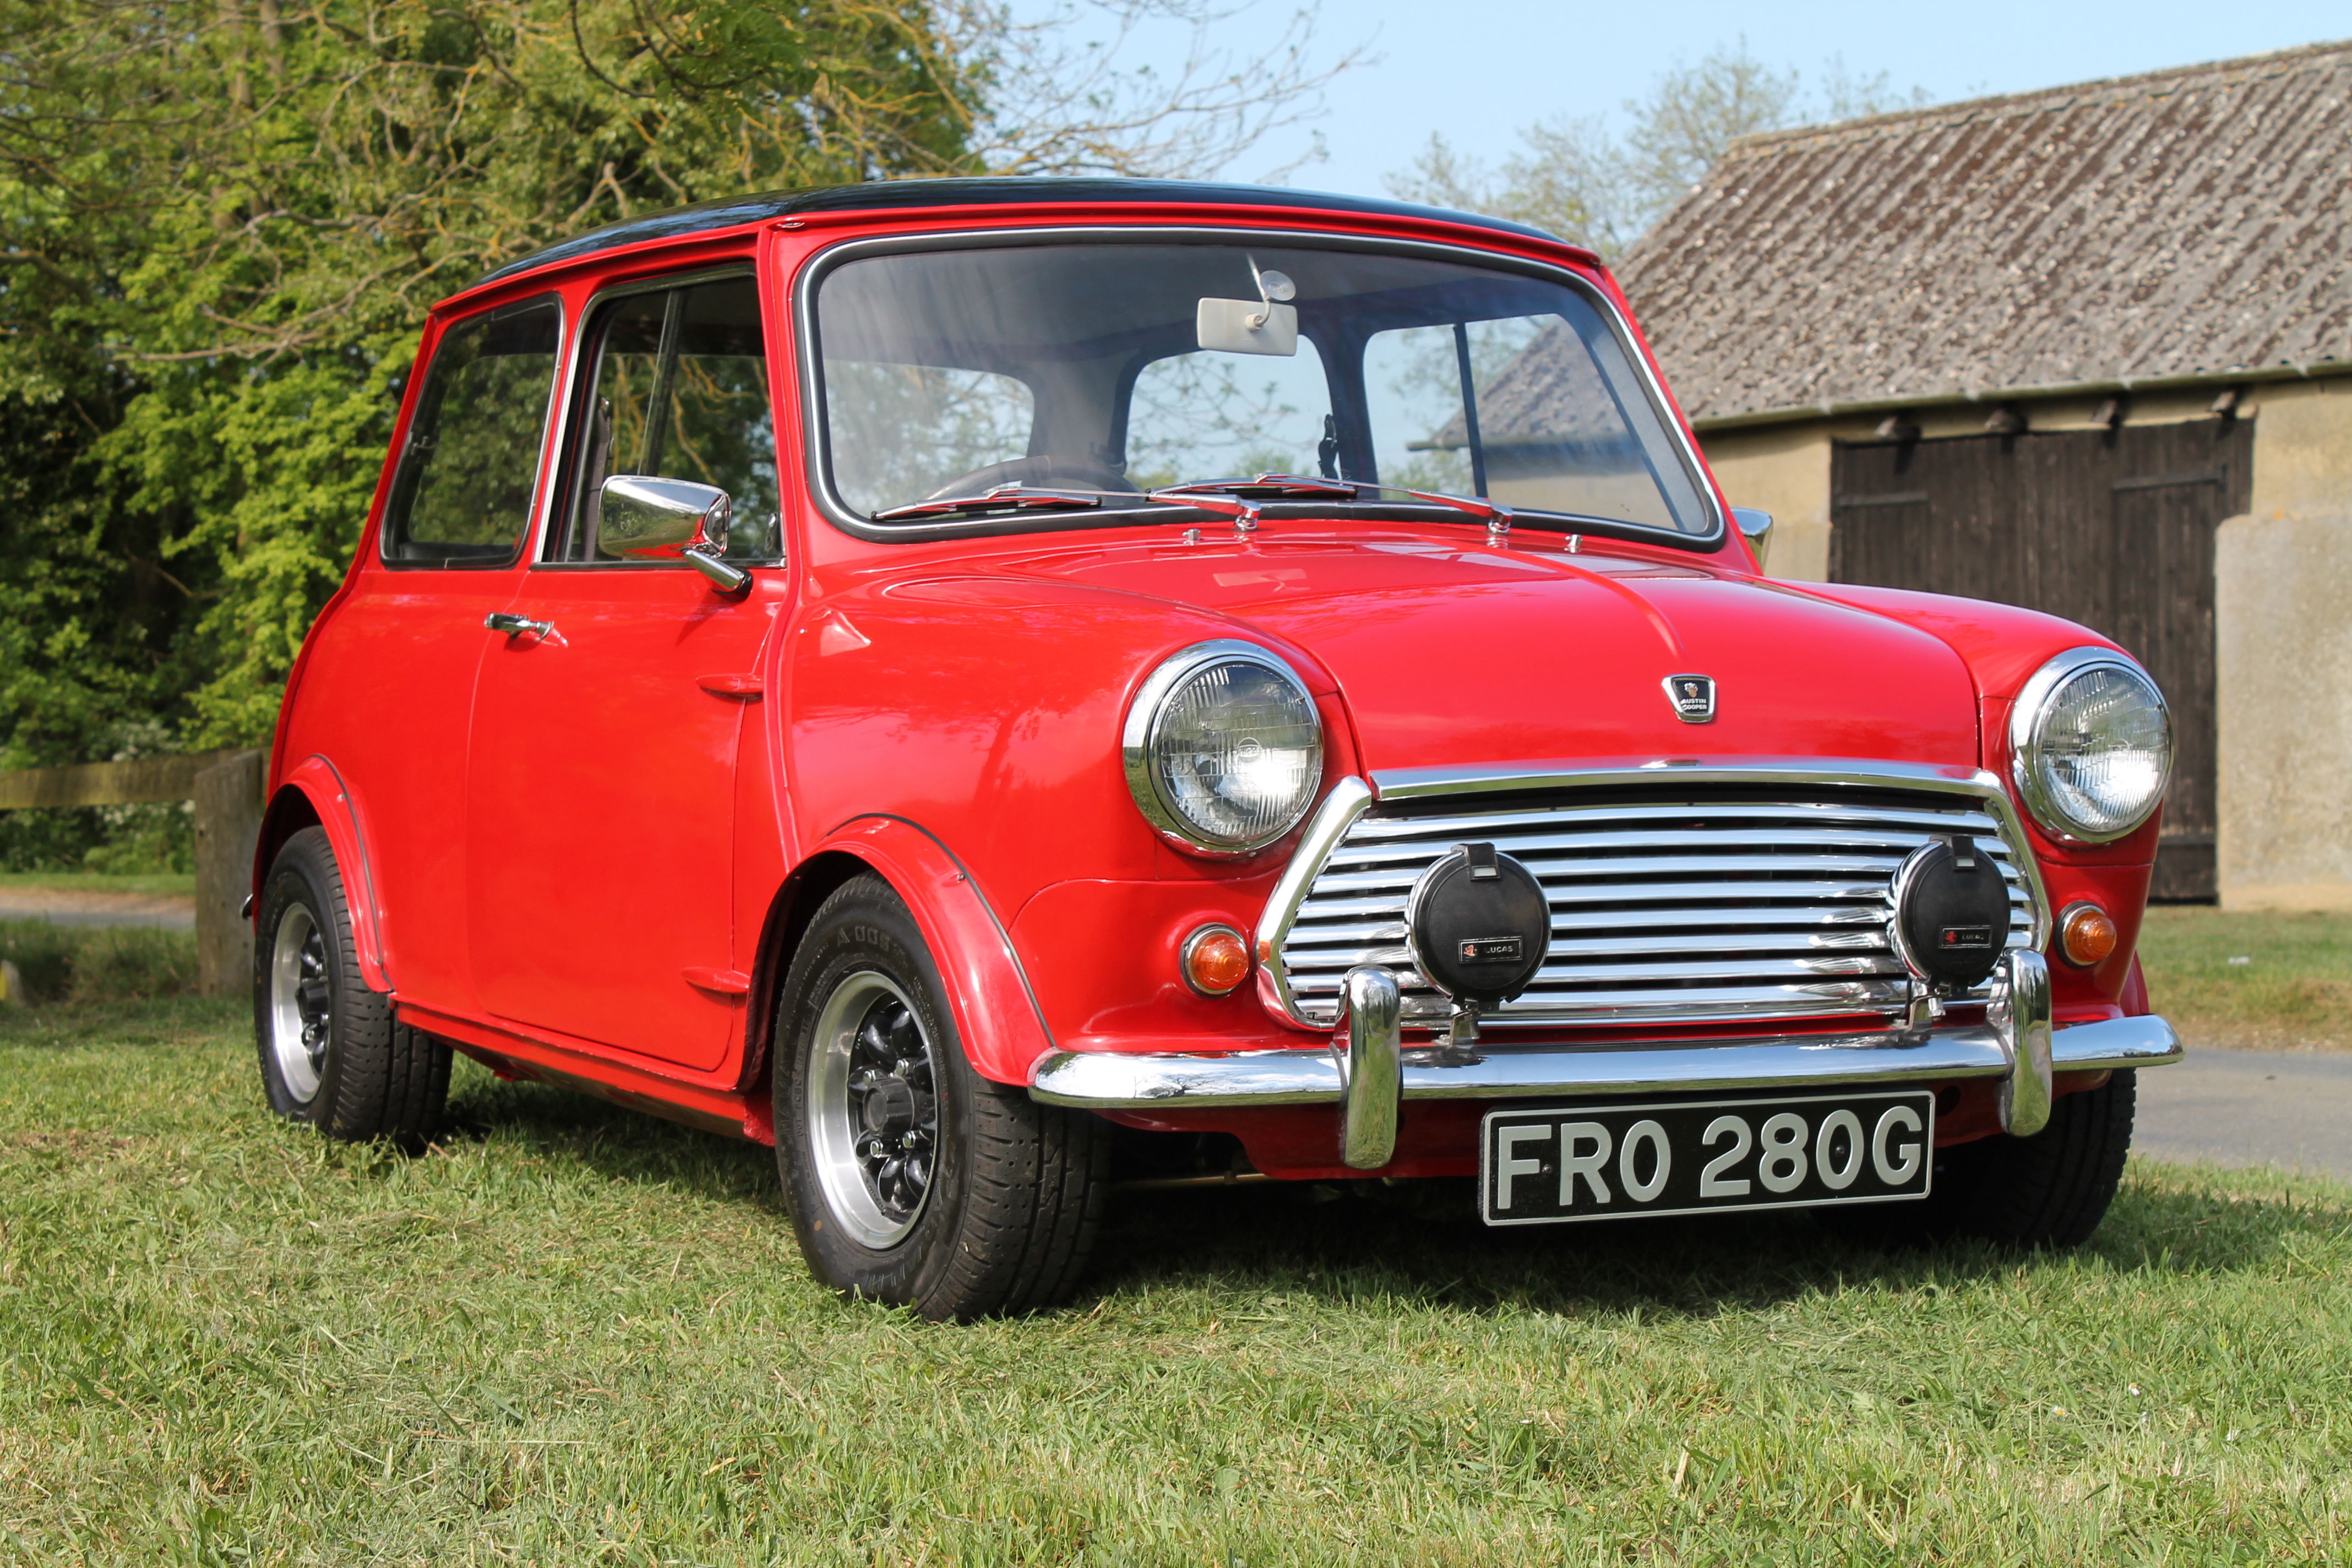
<point x="2113" y="528"/>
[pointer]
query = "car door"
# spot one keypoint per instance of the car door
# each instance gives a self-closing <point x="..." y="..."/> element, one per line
<point x="601" y="796"/>
<point x="407" y="641"/>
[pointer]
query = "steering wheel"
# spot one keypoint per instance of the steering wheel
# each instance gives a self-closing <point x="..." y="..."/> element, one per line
<point x="1047" y="469"/>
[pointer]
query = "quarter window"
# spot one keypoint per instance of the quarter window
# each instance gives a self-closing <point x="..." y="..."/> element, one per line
<point x="462" y="494"/>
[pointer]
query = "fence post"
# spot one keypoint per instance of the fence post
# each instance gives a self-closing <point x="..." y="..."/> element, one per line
<point x="228" y="826"/>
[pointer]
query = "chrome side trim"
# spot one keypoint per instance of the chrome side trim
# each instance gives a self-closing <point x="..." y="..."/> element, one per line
<point x="2020" y="1010"/>
<point x="1373" y="1069"/>
<point x="1348" y="799"/>
<point x="2114" y="1045"/>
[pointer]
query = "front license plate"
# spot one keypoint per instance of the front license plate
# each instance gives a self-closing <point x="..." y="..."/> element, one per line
<point x="1551" y="1165"/>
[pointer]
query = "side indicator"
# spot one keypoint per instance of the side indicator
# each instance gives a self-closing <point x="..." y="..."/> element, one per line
<point x="725" y="982"/>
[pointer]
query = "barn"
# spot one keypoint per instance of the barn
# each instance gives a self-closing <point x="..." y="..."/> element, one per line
<point x="2087" y="350"/>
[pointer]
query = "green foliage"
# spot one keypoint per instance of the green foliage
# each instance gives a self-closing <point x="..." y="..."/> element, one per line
<point x="220" y="225"/>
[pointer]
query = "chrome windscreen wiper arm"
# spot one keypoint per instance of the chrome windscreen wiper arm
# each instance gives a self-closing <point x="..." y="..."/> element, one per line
<point x="1278" y="487"/>
<point x="1243" y="499"/>
<point x="1003" y="498"/>
<point x="1497" y="515"/>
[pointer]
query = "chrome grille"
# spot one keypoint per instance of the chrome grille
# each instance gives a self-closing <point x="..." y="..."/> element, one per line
<point x="1705" y="907"/>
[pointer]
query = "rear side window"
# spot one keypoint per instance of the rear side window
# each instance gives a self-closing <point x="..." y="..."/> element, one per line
<point x="462" y="495"/>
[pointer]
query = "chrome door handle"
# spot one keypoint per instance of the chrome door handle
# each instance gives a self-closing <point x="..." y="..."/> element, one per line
<point x="500" y="621"/>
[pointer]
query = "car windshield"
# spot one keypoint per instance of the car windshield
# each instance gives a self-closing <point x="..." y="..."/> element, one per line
<point x="1125" y="366"/>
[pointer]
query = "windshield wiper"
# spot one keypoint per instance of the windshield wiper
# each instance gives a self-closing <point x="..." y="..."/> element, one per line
<point x="1003" y="498"/>
<point x="1497" y="515"/>
<point x="1242" y="499"/>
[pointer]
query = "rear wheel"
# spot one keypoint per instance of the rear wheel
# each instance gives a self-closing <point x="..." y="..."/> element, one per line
<point x="331" y="1054"/>
<point x="2047" y="1191"/>
<point x="912" y="1180"/>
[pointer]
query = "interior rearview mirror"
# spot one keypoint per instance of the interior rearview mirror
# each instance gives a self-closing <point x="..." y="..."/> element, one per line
<point x="1260" y="326"/>
<point x="1248" y="327"/>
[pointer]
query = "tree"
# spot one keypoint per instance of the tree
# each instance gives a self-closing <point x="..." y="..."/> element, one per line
<point x="222" y="221"/>
<point x="1586" y="183"/>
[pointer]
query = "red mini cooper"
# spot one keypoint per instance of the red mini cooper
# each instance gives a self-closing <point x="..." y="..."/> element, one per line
<point x="992" y="684"/>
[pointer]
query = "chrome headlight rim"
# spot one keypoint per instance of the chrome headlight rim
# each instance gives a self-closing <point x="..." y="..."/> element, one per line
<point x="1142" y="729"/>
<point x="2025" y="743"/>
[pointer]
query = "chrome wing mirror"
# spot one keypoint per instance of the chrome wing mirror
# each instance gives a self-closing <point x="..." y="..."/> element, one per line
<point x="1756" y="527"/>
<point x="640" y="517"/>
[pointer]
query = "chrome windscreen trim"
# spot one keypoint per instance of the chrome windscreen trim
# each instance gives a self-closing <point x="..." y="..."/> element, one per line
<point x="1105" y="1080"/>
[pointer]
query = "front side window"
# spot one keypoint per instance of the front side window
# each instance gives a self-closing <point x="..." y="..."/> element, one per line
<point x="1119" y="366"/>
<point x="462" y="494"/>
<point x="679" y="391"/>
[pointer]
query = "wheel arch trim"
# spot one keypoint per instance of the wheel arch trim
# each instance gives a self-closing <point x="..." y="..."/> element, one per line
<point x="997" y="1013"/>
<point x="313" y="791"/>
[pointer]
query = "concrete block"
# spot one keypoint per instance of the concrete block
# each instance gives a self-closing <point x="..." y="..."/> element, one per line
<point x="2282" y="644"/>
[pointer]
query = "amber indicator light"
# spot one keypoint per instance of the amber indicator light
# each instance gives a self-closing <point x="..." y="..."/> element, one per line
<point x="1215" y="959"/>
<point x="2086" y="933"/>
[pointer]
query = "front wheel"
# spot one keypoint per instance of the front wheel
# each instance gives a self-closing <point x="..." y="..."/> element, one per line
<point x="331" y="1053"/>
<point x="911" y="1179"/>
<point x="2047" y="1191"/>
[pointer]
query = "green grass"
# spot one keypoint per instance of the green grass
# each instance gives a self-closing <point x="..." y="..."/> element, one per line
<point x="2295" y="990"/>
<point x="573" y="1335"/>
<point x="162" y="883"/>
<point x="99" y="963"/>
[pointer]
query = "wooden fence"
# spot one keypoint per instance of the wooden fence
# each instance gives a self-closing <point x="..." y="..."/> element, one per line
<point x="226" y="789"/>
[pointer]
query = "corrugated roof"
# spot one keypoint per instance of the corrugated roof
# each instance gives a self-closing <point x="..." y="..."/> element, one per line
<point x="2188" y="222"/>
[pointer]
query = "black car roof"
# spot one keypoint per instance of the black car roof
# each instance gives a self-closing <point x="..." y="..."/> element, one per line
<point x="885" y="194"/>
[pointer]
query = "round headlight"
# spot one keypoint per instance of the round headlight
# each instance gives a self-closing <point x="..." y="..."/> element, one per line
<point x="2091" y="745"/>
<point x="1223" y="748"/>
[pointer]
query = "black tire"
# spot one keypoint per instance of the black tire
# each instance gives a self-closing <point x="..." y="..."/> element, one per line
<point x="993" y="1201"/>
<point x="2047" y="1191"/>
<point x="331" y="1053"/>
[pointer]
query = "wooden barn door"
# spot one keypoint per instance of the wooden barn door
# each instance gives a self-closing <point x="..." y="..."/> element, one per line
<point x="2114" y="530"/>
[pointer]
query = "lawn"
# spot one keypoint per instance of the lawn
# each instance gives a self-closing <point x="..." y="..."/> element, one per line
<point x="169" y="884"/>
<point x="2247" y="980"/>
<point x="572" y="1334"/>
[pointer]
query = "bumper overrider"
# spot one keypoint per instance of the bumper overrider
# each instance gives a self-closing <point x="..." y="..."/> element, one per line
<point x="1374" y="1072"/>
<point x="1368" y="1070"/>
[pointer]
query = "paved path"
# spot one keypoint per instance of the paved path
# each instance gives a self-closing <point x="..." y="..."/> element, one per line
<point x="2250" y="1108"/>
<point x="74" y="907"/>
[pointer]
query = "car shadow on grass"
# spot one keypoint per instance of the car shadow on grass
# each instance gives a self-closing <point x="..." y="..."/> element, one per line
<point x="1421" y="1243"/>
<point x="1429" y="1247"/>
<point x="618" y="1142"/>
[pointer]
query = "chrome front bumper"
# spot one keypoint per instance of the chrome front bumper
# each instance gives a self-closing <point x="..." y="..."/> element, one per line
<point x="1373" y="1072"/>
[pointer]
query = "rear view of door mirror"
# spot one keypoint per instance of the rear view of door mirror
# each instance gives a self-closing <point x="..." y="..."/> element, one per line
<point x="642" y="518"/>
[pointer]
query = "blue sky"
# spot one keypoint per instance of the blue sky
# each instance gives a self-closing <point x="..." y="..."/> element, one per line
<point x="1478" y="69"/>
